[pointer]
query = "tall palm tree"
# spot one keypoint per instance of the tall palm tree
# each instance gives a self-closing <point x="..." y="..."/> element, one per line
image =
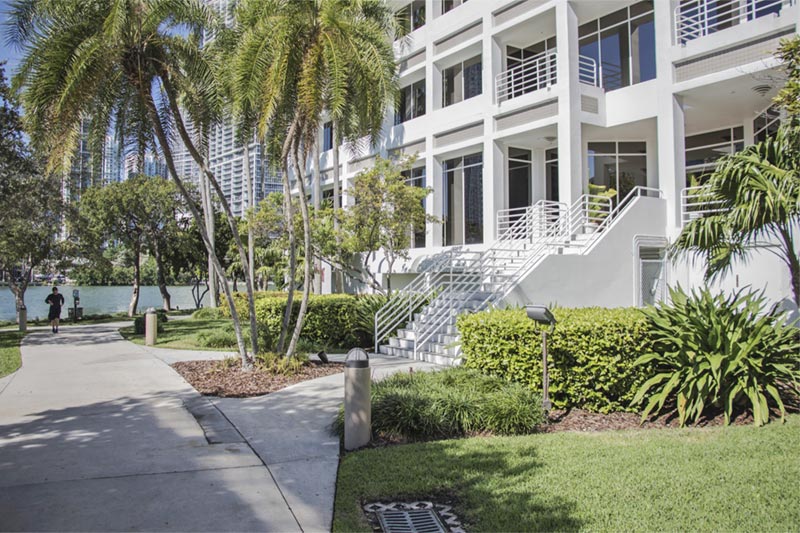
<point x="297" y="59"/>
<point x="119" y="62"/>
<point x="756" y="195"/>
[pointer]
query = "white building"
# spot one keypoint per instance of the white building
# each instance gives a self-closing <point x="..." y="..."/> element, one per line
<point x="520" y="109"/>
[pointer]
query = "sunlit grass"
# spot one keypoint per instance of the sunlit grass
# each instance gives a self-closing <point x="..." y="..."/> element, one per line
<point x="10" y="358"/>
<point x="716" y="479"/>
<point x="186" y="334"/>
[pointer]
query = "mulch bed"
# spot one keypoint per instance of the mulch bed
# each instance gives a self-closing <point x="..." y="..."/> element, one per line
<point x="584" y="421"/>
<point x="225" y="379"/>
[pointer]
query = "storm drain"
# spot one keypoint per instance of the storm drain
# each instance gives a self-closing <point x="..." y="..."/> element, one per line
<point x="411" y="521"/>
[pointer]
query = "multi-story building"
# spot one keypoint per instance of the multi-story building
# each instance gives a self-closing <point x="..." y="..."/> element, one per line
<point x="226" y="155"/>
<point x="85" y="169"/>
<point x="152" y="165"/>
<point x="561" y="139"/>
<point x="112" y="160"/>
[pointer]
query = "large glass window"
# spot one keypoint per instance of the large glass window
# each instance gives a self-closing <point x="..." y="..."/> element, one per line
<point x="463" y="201"/>
<point x="327" y="136"/>
<point x="622" y="44"/>
<point x="462" y="81"/>
<point x="551" y="174"/>
<point x="448" y="5"/>
<point x="519" y="178"/>
<point x="620" y="166"/>
<point x="704" y="149"/>
<point x="411" y="16"/>
<point x="416" y="177"/>
<point x="766" y="124"/>
<point x="412" y="102"/>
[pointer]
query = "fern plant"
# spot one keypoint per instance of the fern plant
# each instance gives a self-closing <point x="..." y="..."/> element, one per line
<point x="721" y="351"/>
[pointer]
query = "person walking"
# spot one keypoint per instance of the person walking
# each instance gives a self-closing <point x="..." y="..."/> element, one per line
<point x="56" y="301"/>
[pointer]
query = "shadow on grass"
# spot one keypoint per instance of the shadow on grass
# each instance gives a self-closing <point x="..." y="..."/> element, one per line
<point x="492" y="487"/>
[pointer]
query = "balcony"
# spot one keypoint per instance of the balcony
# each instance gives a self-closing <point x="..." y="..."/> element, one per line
<point x="698" y="18"/>
<point x="539" y="72"/>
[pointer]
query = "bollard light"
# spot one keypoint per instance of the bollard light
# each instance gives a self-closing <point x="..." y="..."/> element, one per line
<point x="542" y="315"/>
<point x="150" y="327"/>
<point x="357" y="400"/>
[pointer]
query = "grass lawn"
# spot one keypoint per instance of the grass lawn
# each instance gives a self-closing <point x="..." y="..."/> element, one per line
<point x="717" y="479"/>
<point x="183" y="334"/>
<point x="9" y="352"/>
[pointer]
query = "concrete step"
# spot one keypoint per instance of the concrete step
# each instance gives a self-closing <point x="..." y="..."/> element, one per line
<point x="397" y="342"/>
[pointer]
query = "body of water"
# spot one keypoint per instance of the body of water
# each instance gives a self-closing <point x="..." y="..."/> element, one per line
<point x="94" y="300"/>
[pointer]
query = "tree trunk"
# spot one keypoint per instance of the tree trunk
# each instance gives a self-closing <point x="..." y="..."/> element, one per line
<point x="208" y="220"/>
<point x="251" y="200"/>
<point x="18" y="289"/>
<point x="166" y="149"/>
<point x="792" y="262"/>
<point x="137" y="277"/>
<point x="187" y="141"/>
<point x="166" y="299"/>
<point x="309" y="255"/>
<point x="337" y="278"/>
<point x="317" y="198"/>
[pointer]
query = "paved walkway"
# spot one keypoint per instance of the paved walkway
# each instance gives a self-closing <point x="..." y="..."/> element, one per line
<point x="97" y="433"/>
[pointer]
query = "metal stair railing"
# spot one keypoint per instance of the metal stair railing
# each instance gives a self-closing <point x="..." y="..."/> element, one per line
<point x="573" y="219"/>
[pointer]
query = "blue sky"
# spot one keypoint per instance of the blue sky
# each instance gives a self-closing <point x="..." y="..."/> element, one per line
<point x="7" y="53"/>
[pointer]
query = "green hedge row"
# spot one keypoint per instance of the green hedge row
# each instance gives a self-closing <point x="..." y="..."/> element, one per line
<point x="591" y="353"/>
<point x="339" y="321"/>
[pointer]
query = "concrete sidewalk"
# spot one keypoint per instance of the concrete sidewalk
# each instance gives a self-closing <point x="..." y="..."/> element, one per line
<point x="97" y="433"/>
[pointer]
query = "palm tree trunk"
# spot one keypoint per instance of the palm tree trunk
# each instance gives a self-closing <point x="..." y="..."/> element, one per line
<point x="309" y="257"/>
<point x="289" y="220"/>
<point x="167" y="152"/>
<point x="208" y="219"/>
<point x="317" y="197"/>
<point x="187" y="141"/>
<point x="137" y="277"/>
<point x="251" y="200"/>
<point x="338" y="280"/>
<point x="792" y="262"/>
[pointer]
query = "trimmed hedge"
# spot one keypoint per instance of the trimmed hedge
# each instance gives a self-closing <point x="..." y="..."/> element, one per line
<point x="591" y="353"/>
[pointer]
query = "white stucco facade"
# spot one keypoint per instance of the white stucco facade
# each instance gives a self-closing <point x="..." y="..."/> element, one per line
<point x="509" y="102"/>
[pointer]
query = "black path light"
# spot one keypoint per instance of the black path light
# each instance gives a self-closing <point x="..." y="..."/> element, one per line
<point x="542" y="315"/>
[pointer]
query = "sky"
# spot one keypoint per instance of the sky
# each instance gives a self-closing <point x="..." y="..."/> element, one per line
<point x="7" y="52"/>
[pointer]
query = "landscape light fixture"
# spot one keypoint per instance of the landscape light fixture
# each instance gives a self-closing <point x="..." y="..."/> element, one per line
<point x="542" y="315"/>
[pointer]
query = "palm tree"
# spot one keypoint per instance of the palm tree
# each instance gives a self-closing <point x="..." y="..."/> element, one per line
<point x="125" y="63"/>
<point x="298" y="59"/>
<point x="757" y="207"/>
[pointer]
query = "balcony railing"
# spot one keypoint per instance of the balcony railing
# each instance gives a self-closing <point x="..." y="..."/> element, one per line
<point x="698" y="18"/>
<point x="697" y="202"/>
<point x="539" y="72"/>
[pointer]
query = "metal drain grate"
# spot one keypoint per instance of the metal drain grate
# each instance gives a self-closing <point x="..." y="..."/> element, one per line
<point x="411" y="521"/>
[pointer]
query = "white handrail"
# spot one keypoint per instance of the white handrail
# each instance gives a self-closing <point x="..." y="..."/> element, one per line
<point x="532" y="74"/>
<point x="698" y="18"/>
<point x="587" y="71"/>
<point x="698" y="202"/>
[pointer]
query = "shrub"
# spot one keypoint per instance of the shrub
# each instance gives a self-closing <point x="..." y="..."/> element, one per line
<point x="448" y="404"/>
<point x="208" y="313"/>
<point x="366" y="305"/>
<point x="240" y="298"/>
<point x="217" y="338"/>
<point x="591" y="353"/>
<point x="721" y="352"/>
<point x="278" y="364"/>
<point x="139" y="326"/>
<point x="329" y="322"/>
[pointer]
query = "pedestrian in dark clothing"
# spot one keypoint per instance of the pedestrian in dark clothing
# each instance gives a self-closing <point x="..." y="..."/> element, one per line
<point x="56" y="301"/>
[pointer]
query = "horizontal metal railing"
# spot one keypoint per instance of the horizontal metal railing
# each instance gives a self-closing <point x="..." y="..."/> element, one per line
<point x="697" y="18"/>
<point x="543" y="212"/>
<point x="532" y="74"/>
<point x="587" y="71"/>
<point x="697" y="202"/>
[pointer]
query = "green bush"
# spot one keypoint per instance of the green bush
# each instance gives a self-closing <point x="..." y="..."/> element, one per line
<point x="217" y="338"/>
<point x="329" y="321"/>
<point x="241" y="302"/>
<point x="719" y="352"/>
<point x="591" y="353"/>
<point x="139" y="327"/>
<point x="366" y="305"/>
<point x="449" y="404"/>
<point x="209" y="313"/>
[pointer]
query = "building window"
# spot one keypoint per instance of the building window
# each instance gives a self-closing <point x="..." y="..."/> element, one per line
<point x="462" y="81"/>
<point x="519" y="178"/>
<point x="416" y="177"/>
<point x="327" y="136"/>
<point x="449" y="5"/>
<point x="463" y="201"/>
<point x="551" y="174"/>
<point x="412" y="16"/>
<point x="620" y="166"/>
<point x="623" y="45"/>
<point x="412" y="102"/>
<point x="766" y="124"/>
<point x="704" y="149"/>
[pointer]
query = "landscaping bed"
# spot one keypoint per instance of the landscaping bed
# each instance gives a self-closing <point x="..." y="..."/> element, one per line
<point x="581" y="420"/>
<point x="225" y="379"/>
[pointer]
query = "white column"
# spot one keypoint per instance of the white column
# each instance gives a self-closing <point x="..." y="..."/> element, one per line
<point x="570" y="158"/>
<point x="670" y="121"/>
<point x="494" y="172"/>
<point x="538" y="176"/>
